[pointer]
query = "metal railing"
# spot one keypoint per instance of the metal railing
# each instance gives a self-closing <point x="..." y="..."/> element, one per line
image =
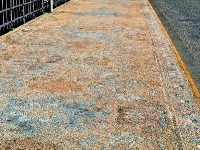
<point x="58" y="2"/>
<point x="14" y="12"/>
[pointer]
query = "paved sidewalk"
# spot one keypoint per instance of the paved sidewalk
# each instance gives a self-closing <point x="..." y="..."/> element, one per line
<point x="95" y="74"/>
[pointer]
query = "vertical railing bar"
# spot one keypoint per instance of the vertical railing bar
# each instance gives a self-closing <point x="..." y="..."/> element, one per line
<point x="23" y="13"/>
<point x="29" y="7"/>
<point x="3" y="12"/>
<point x="51" y="6"/>
<point x="6" y="12"/>
<point x="11" y="12"/>
<point x="33" y="7"/>
<point x="42" y="6"/>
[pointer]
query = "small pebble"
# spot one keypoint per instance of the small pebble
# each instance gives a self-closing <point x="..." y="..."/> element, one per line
<point x="25" y="30"/>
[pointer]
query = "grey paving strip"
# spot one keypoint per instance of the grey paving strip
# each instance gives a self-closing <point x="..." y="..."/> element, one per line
<point x="181" y="20"/>
<point x="99" y="74"/>
<point x="175" y="89"/>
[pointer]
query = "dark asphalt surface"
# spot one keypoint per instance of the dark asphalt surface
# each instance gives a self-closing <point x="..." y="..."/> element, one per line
<point x="181" y="19"/>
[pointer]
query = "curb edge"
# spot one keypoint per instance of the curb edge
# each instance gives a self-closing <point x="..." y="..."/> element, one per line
<point x="179" y="59"/>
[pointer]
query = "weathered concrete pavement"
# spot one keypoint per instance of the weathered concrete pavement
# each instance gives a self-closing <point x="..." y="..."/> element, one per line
<point x="95" y="74"/>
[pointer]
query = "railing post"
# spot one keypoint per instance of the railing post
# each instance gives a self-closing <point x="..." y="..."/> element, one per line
<point x="51" y="5"/>
<point x="24" y="19"/>
<point x="11" y="14"/>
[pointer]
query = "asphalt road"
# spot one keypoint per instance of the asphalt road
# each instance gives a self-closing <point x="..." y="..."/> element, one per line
<point x="181" y="19"/>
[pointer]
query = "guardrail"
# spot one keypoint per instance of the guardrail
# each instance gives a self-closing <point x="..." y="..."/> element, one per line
<point x="14" y="12"/>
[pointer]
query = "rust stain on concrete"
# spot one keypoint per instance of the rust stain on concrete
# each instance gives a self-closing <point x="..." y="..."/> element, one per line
<point x="59" y="85"/>
<point x="156" y="83"/>
<point x="25" y="143"/>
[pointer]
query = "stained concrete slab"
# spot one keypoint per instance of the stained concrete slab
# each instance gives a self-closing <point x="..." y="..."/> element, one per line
<point x="95" y="75"/>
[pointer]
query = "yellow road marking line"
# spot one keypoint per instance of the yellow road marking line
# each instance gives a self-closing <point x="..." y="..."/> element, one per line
<point x="180" y="61"/>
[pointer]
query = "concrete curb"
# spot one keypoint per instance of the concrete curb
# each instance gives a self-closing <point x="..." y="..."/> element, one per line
<point x="180" y="61"/>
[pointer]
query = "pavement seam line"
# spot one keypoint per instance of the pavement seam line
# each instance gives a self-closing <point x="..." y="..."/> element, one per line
<point x="167" y="98"/>
<point x="179" y="59"/>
